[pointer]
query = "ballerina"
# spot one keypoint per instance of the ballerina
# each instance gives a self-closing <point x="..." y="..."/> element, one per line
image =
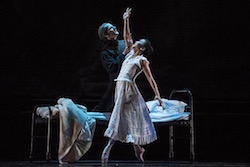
<point x="130" y="121"/>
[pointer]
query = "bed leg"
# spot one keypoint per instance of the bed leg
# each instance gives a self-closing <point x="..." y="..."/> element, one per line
<point x="32" y="137"/>
<point x="171" y="142"/>
<point x="48" y="155"/>
<point x="192" y="154"/>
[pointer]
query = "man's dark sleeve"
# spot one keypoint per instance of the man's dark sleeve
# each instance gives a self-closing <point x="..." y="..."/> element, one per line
<point x="110" y="63"/>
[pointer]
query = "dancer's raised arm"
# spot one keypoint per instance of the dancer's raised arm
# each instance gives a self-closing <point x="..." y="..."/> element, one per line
<point x="126" y="31"/>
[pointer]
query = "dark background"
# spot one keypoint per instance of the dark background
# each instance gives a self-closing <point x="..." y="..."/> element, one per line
<point x="50" y="49"/>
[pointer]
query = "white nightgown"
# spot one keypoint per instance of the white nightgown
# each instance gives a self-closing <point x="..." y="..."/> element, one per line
<point x="130" y="121"/>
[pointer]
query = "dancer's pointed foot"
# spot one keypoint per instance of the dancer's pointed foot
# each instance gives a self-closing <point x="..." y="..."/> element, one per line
<point x="106" y="151"/>
<point x="139" y="154"/>
<point x="105" y="156"/>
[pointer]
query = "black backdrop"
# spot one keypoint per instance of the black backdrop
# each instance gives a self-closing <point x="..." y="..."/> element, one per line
<point x="50" y="49"/>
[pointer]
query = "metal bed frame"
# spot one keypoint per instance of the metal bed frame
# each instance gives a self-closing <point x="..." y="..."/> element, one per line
<point x="47" y="136"/>
<point x="175" y="95"/>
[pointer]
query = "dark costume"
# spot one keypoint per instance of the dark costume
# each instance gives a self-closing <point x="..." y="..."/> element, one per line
<point x="112" y="57"/>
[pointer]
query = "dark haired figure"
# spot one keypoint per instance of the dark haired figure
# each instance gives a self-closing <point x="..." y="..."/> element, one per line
<point x="112" y="57"/>
<point x="130" y="121"/>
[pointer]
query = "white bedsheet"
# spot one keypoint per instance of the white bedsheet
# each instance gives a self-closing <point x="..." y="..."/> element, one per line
<point x="170" y="110"/>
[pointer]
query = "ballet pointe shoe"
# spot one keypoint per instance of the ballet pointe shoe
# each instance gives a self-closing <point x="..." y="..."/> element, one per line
<point x="106" y="151"/>
<point x="105" y="157"/>
<point x="139" y="154"/>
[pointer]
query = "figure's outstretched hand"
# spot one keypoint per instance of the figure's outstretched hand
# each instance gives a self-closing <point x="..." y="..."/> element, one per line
<point x="127" y="13"/>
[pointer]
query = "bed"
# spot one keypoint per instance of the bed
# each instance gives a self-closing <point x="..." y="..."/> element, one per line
<point x="177" y="110"/>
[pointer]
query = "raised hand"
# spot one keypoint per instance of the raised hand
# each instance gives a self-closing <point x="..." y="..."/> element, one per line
<point x="127" y="13"/>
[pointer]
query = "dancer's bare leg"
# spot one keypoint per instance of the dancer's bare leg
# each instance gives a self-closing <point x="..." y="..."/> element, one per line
<point x="139" y="151"/>
<point x="106" y="150"/>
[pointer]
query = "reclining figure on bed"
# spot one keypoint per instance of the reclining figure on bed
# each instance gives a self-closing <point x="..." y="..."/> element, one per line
<point x="76" y="129"/>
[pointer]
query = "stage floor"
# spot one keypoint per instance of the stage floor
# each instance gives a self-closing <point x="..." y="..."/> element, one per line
<point x="92" y="163"/>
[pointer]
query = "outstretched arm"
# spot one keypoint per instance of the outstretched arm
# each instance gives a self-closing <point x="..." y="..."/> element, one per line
<point x="149" y="76"/>
<point x="129" y="34"/>
<point x="125" y="15"/>
<point x="126" y="31"/>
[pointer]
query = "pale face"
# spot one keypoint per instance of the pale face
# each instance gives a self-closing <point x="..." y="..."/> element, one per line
<point x="112" y="33"/>
<point x="139" y="45"/>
